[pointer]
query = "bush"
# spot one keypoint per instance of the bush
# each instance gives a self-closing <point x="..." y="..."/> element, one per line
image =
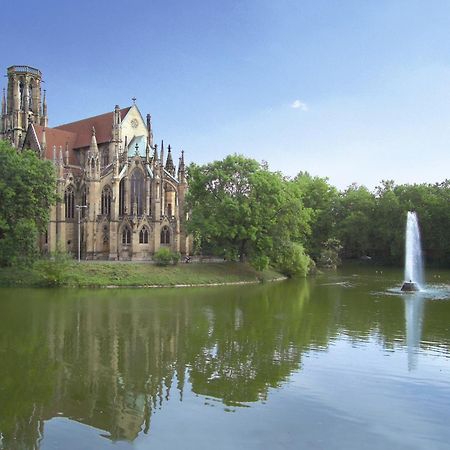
<point x="260" y="262"/>
<point x="18" y="245"/>
<point x="292" y="261"/>
<point x="164" y="256"/>
<point x="54" y="269"/>
<point x="329" y="255"/>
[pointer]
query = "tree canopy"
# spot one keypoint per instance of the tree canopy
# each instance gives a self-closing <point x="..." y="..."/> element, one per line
<point x="364" y="223"/>
<point x="27" y="190"/>
<point x="241" y="210"/>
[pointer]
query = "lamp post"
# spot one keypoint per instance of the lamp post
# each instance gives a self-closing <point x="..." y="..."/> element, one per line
<point x="79" y="228"/>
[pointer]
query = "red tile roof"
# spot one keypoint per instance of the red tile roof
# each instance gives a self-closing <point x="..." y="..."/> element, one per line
<point x="83" y="128"/>
<point x="58" y="138"/>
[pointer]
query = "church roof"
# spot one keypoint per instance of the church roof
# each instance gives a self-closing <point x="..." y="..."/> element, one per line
<point x="83" y="128"/>
<point x="57" y="138"/>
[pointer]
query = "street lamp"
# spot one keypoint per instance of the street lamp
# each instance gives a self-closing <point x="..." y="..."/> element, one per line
<point x="79" y="228"/>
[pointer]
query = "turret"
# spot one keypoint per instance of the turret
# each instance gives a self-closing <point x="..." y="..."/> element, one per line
<point x="93" y="159"/>
<point x="116" y="127"/>
<point x="182" y="169"/>
<point x="44" y="118"/>
<point x="155" y="157"/>
<point x="94" y="147"/>
<point x="22" y="104"/>
<point x="4" y="103"/>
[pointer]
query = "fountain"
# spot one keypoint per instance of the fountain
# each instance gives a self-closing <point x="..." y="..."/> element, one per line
<point x="413" y="255"/>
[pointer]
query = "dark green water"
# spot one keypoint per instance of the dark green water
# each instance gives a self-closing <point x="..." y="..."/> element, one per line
<point x="335" y="362"/>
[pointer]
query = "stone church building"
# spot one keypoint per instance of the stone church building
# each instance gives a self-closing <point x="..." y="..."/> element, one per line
<point x="118" y="190"/>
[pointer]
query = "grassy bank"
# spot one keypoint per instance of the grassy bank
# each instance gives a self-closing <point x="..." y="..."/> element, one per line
<point x="104" y="274"/>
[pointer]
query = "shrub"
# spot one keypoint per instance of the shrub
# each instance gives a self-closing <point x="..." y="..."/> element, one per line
<point x="164" y="256"/>
<point x="292" y="260"/>
<point x="329" y="255"/>
<point x="260" y="262"/>
<point x="54" y="268"/>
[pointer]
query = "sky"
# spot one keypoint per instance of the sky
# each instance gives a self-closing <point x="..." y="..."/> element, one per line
<point x="354" y="90"/>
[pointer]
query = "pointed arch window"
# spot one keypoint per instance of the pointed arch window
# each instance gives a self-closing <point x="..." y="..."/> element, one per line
<point x="21" y="95"/>
<point x="165" y="235"/>
<point x="30" y="96"/>
<point x="106" y="201"/>
<point x="143" y="235"/>
<point x="105" y="156"/>
<point x="69" y="202"/>
<point x="137" y="193"/>
<point x="126" y="236"/>
<point x="122" y="197"/>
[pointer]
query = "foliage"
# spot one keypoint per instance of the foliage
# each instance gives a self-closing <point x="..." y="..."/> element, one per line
<point x="27" y="190"/>
<point x="354" y="220"/>
<point x="164" y="256"/>
<point x="292" y="261"/>
<point x="329" y="256"/>
<point x="321" y="198"/>
<point x="243" y="211"/>
<point x="109" y="273"/>
<point x="54" y="268"/>
<point x="373" y="223"/>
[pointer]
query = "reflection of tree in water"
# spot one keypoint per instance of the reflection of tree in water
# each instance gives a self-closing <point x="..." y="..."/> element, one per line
<point x="26" y="375"/>
<point x="111" y="359"/>
<point x="248" y="344"/>
<point x="110" y="362"/>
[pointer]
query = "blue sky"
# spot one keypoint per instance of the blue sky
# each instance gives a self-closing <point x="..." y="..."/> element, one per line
<point x="358" y="91"/>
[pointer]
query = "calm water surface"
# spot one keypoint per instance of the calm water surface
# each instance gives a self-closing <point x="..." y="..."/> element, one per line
<point x="341" y="361"/>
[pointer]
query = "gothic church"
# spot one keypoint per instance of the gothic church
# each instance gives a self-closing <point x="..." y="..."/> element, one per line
<point x="115" y="190"/>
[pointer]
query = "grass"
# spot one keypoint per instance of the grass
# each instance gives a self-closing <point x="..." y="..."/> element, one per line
<point x="128" y="274"/>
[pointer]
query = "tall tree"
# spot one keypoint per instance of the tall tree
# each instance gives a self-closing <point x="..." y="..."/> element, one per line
<point x="27" y="190"/>
<point x="354" y="220"/>
<point x="322" y="199"/>
<point x="242" y="210"/>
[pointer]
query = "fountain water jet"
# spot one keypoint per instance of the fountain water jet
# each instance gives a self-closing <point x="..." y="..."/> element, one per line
<point x="413" y="255"/>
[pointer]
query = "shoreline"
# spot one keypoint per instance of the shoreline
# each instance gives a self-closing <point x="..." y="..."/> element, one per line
<point x="154" y="286"/>
<point x="115" y="275"/>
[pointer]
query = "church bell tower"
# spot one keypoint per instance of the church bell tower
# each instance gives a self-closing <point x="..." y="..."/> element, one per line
<point x="22" y="103"/>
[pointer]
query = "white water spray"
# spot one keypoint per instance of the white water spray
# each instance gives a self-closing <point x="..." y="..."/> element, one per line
<point x="413" y="252"/>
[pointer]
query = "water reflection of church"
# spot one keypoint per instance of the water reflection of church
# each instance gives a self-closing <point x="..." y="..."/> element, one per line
<point x="131" y="192"/>
<point x="112" y="363"/>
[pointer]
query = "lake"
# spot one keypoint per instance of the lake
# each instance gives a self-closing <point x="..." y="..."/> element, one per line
<point x="338" y="361"/>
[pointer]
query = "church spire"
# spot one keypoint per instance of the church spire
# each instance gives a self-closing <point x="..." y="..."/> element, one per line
<point x="169" y="162"/>
<point x="94" y="147"/>
<point x="93" y="159"/>
<point x="155" y="156"/>
<point x="116" y="127"/>
<point x="182" y="168"/>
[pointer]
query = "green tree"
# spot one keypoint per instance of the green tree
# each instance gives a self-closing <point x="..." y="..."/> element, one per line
<point x="354" y="220"/>
<point x="388" y="225"/>
<point x="27" y="190"/>
<point x="243" y="211"/>
<point x="322" y="199"/>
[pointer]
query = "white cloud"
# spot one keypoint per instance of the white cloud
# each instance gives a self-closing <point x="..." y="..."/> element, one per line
<point x="298" y="104"/>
